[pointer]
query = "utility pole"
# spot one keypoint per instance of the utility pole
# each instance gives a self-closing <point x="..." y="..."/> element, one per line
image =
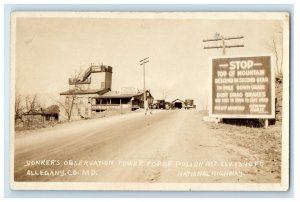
<point x="219" y="37"/>
<point x="224" y="40"/>
<point x="142" y="63"/>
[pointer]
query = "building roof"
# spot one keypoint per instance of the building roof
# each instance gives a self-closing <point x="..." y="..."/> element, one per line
<point x="81" y="92"/>
<point x="117" y="94"/>
<point x="53" y="109"/>
<point x="32" y="113"/>
<point x="177" y="100"/>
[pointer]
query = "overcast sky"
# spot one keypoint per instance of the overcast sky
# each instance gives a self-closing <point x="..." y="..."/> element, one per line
<point x="50" y="50"/>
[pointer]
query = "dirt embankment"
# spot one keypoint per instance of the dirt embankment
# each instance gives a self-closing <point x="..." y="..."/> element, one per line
<point x="261" y="145"/>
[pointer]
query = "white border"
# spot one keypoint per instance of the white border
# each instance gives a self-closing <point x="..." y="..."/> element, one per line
<point x="126" y="186"/>
<point x="157" y="15"/>
<point x="283" y="186"/>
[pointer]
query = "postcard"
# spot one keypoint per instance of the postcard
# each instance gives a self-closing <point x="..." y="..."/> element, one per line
<point x="181" y="101"/>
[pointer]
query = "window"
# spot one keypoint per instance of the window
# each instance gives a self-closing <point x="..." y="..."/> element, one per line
<point x="78" y="111"/>
<point x="86" y="111"/>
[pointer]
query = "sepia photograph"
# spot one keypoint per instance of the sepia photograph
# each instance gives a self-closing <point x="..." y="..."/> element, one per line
<point x="180" y="101"/>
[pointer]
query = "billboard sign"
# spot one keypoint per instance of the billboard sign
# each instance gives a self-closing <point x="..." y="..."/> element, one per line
<point x="242" y="87"/>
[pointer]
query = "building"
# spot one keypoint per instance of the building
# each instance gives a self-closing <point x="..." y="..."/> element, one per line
<point x="90" y="93"/>
<point x="40" y="116"/>
<point x="189" y="104"/>
<point x="180" y="104"/>
<point x="177" y="104"/>
<point x="76" y="102"/>
<point x="120" y="101"/>
<point x="51" y="113"/>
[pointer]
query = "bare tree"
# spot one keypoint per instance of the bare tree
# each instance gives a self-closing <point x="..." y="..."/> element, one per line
<point x="26" y="104"/>
<point x="70" y="100"/>
<point x="275" y="45"/>
<point x="19" y="108"/>
<point x="68" y="105"/>
<point x="32" y="103"/>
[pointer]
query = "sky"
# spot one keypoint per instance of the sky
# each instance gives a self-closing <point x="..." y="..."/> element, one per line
<point x="50" y="50"/>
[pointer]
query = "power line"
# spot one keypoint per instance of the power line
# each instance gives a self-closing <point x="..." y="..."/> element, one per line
<point x="224" y="38"/>
<point x="224" y="44"/>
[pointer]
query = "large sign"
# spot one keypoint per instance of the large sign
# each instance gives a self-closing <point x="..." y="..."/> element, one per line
<point x="242" y="87"/>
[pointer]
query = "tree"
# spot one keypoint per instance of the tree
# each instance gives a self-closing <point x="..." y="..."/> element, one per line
<point x="275" y="45"/>
<point x="26" y="104"/>
<point x="70" y="100"/>
<point x="19" y="109"/>
<point x="68" y="105"/>
<point x="32" y="103"/>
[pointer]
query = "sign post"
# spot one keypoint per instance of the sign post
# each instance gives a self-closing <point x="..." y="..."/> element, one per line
<point x="242" y="87"/>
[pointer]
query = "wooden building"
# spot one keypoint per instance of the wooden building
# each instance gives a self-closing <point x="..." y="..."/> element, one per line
<point x="91" y="93"/>
<point x="41" y="116"/>
<point x="76" y="102"/>
<point x="177" y="104"/>
<point x="119" y="101"/>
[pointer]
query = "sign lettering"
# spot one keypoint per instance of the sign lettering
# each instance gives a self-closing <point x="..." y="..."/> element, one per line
<point x="242" y="87"/>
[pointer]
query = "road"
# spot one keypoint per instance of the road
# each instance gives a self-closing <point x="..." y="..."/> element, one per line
<point x="167" y="146"/>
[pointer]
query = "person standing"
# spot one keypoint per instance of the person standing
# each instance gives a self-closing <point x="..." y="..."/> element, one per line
<point x="147" y="107"/>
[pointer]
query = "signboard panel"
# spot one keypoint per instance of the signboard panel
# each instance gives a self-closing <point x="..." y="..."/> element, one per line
<point x="242" y="87"/>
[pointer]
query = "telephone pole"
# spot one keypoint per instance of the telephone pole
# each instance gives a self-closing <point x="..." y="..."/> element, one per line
<point x="142" y="63"/>
<point x="224" y="40"/>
